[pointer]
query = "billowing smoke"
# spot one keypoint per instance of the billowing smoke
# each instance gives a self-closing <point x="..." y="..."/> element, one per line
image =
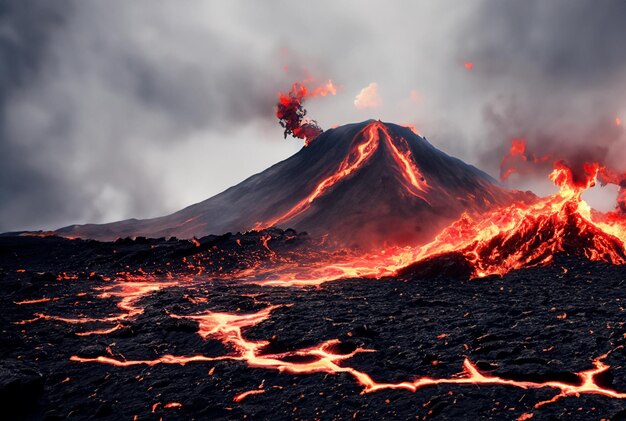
<point x="578" y="160"/>
<point x="555" y="75"/>
<point x="291" y="113"/>
<point x="607" y="176"/>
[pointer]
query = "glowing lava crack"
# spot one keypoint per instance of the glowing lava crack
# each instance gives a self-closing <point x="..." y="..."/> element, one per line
<point x="129" y="292"/>
<point x="326" y="358"/>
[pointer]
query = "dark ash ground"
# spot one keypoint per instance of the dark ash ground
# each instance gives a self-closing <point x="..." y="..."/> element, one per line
<point x="537" y="324"/>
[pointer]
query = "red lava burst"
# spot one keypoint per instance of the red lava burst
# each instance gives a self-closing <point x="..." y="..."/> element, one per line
<point x="292" y="115"/>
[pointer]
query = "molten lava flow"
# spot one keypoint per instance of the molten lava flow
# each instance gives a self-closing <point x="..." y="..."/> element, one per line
<point x="357" y="157"/>
<point x="527" y="235"/>
<point x="327" y="357"/>
<point x="494" y="243"/>
<point x="129" y="292"/>
<point x="402" y="155"/>
<point x="369" y="142"/>
<point x="292" y="115"/>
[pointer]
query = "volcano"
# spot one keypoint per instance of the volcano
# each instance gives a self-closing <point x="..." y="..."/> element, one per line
<point x="363" y="184"/>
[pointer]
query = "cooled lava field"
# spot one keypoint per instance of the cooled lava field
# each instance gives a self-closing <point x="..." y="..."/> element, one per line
<point x="132" y="330"/>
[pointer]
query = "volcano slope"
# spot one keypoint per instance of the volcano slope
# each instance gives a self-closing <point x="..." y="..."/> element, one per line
<point x="135" y="329"/>
<point x="366" y="184"/>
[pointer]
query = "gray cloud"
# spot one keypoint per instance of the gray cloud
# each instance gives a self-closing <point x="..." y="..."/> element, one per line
<point x="556" y="76"/>
<point x="115" y="109"/>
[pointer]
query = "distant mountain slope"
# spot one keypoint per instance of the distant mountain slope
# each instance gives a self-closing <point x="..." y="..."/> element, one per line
<point x="365" y="184"/>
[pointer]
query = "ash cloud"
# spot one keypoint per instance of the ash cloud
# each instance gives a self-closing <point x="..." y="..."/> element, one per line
<point x="92" y="90"/>
<point x="556" y="76"/>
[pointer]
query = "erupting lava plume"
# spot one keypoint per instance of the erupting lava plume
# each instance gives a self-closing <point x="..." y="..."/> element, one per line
<point x="292" y="115"/>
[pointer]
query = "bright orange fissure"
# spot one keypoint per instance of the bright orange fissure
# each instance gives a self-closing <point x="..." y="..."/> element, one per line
<point x="325" y="358"/>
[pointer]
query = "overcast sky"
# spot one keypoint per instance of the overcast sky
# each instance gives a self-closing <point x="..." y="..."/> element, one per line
<point x="113" y="109"/>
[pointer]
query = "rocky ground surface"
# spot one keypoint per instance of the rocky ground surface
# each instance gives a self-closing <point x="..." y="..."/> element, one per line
<point x="538" y="324"/>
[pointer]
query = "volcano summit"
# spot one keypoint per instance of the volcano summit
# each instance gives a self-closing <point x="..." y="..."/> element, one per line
<point x="364" y="184"/>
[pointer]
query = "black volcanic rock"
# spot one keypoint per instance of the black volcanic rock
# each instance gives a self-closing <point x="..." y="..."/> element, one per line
<point x="537" y="324"/>
<point x="370" y="206"/>
<point x="21" y="385"/>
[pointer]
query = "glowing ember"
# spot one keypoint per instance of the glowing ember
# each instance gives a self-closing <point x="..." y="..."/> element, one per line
<point x="518" y="156"/>
<point x="36" y="301"/>
<point x="244" y="395"/>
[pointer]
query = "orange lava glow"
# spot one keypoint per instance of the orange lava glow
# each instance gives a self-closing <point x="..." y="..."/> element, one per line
<point x="494" y="243"/>
<point x="505" y="239"/>
<point x="412" y="128"/>
<point x="511" y="163"/>
<point x="129" y="292"/>
<point x="242" y="396"/>
<point x="37" y="301"/>
<point x="327" y="357"/>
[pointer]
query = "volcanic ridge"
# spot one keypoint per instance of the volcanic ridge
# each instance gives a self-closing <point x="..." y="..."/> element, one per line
<point x="364" y="184"/>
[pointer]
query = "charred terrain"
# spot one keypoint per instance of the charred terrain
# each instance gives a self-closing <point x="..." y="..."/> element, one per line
<point x="134" y="329"/>
<point x="424" y="290"/>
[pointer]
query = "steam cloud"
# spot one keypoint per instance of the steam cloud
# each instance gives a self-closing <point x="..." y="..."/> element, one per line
<point x="368" y="97"/>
